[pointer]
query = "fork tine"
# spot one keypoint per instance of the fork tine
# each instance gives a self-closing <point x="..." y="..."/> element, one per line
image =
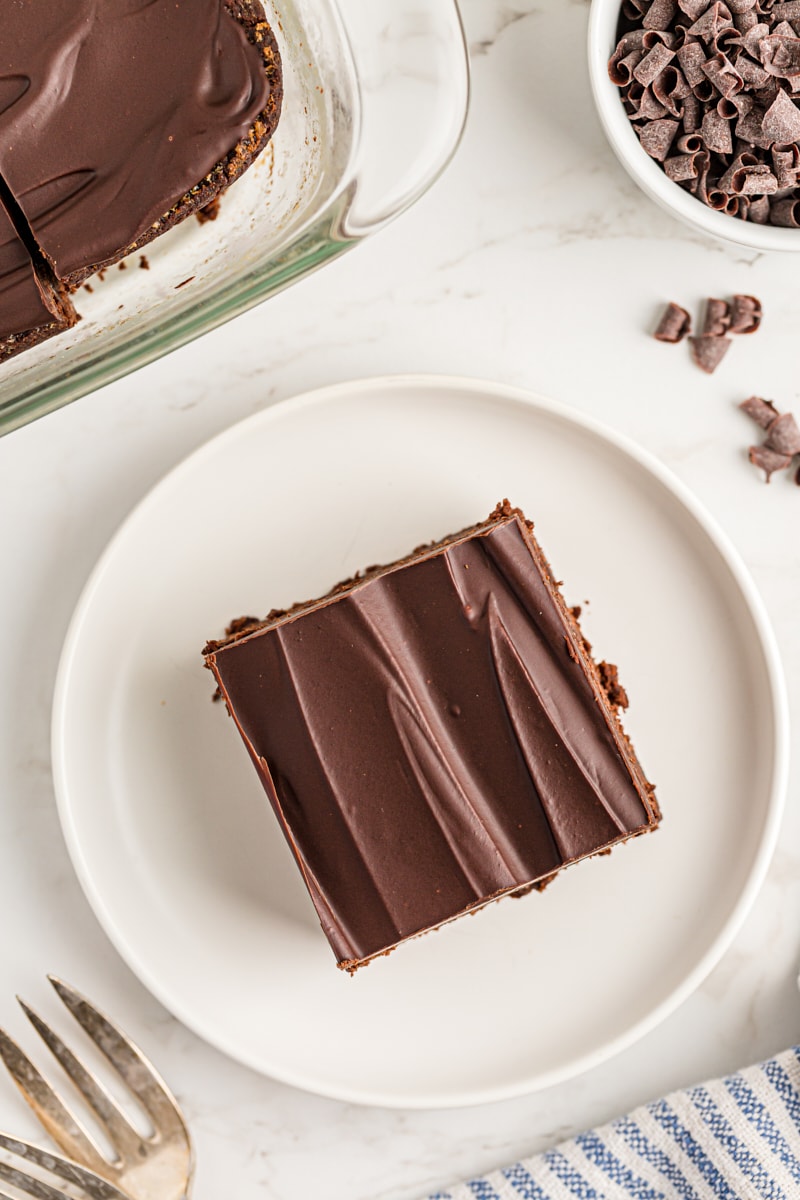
<point x="69" y="1172"/>
<point x="127" y="1059"/>
<point x="57" y="1120"/>
<point x="122" y="1134"/>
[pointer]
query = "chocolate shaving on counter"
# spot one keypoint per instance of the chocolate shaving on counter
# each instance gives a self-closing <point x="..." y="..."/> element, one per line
<point x="674" y="325"/>
<point x="712" y="89"/>
<point x="763" y="412"/>
<point x="768" y="460"/>
<point x="742" y="314"/>
<point x="782" y="442"/>
<point x="783" y="435"/>
<point x="708" y="351"/>
<point x="717" y="319"/>
<point x="745" y="313"/>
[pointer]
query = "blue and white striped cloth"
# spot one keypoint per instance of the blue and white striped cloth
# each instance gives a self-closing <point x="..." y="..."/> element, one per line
<point x="736" y="1138"/>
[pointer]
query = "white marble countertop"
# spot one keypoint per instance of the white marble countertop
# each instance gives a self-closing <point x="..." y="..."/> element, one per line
<point x="534" y="261"/>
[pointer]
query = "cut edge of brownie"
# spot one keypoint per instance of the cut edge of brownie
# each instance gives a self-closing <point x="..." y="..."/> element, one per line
<point x="602" y="677"/>
<point x="53" y="293"/>
<point x="251" y="16"/>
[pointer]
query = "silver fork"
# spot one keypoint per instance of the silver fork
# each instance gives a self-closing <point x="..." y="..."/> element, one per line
<point x="156" y="1166"/>
<point x="39" y="1173"/>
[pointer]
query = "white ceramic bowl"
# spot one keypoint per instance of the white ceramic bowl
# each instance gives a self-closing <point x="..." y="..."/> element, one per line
<point x="603" y="18"/>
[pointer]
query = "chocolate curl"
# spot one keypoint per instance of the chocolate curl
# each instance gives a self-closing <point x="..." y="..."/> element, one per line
<point x="660" y="14"/>
<point x="749" y="127"/>
<point x="717" y="318"/>
<point x="780" y="56"/>
<point x="724" y="76"/>
<point x="699" y="187"/>
<point x="783" y="435"/>
<point x="763" y="412"/>
<point x="783" y="30"/>
<point x="650" y="109"/>
<point x="727" y="42"/>
<point x="718" y="200"/>
<point x="735" y="172"/>
<point x="786" y="163"/>
<point x="789" y="11"/>
<point x="674" y="325"/>
<point x="691" y="59"/>
<point x="715" y="18"/>
<point x="693" y="8"/>
<point x="782" y="121"/>
<point x="738" y="7"/>
<point x="703" y="162"/>
<point x="657" y="137"/>
<point x="785" y="213"/>
<point x="727" y="109"/>
<point x="681" y="168"/>
<point x="768" y="460"/>
<point x="746" y="20"/>
<point x="745" y="313"/>
<point x="633" y="9"/>
<point x="691" y="113"/>
<point x="758" y="212"/>
<point x="751" y="72"/>
<point x="620" y="70"/>
<point x="754" y="35"/>
<point x="708" y="352"/>
<point x="653" y="63"/>
<point x="689" y="143"/>
<point x="716" y="133"/>
<point x="669" y="88"/>
<point x="654" y="37"/>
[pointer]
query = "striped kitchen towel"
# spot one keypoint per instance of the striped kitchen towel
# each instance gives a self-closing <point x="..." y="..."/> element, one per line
<point x="736" y="1138"/>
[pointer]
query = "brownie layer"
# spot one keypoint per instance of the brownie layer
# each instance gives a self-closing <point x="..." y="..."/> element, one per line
<point x="432" y="736"/>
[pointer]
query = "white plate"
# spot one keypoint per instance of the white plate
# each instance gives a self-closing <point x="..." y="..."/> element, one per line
<point x="173" y="839"/>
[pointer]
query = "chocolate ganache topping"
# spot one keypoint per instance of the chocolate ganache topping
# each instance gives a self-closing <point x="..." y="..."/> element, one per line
<point x="112" y="110"/>
<point x="432" y="736"/>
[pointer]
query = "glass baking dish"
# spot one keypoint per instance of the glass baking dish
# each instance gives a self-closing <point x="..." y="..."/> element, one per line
<point x="376" y="95"/>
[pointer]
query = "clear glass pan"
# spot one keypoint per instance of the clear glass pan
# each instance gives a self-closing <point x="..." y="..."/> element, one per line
<point x="376" y="95"/>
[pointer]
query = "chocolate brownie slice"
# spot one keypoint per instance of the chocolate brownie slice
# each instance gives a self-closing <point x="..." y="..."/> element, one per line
<point x="432" y="735"/>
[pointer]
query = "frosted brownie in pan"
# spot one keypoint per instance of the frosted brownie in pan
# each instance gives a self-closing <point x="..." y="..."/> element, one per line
<point x="120" y="118"/>
<point x="432" y="735"/>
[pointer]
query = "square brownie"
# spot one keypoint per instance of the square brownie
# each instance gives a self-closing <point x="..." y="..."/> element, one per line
<point x="432" y="735"/>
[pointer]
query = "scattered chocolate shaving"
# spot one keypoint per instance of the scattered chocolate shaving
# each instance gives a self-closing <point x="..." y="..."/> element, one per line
<point x="717" y="318"/>
<point x="768" y="460"/>
<point x="708" y="351"/>
<point x="745" y="314"/>
<point x="143" y="263"/>
<point x="763" y="412"/>
<point x="712" y="89"/>
<point x="674" y="325"/>
<point x="783" y="435"/>
<point x="782" y="442"/>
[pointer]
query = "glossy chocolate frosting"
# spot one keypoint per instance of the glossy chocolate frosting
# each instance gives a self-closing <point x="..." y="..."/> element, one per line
<point x="432" y="737"/>
<point x="112" y="110"/>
